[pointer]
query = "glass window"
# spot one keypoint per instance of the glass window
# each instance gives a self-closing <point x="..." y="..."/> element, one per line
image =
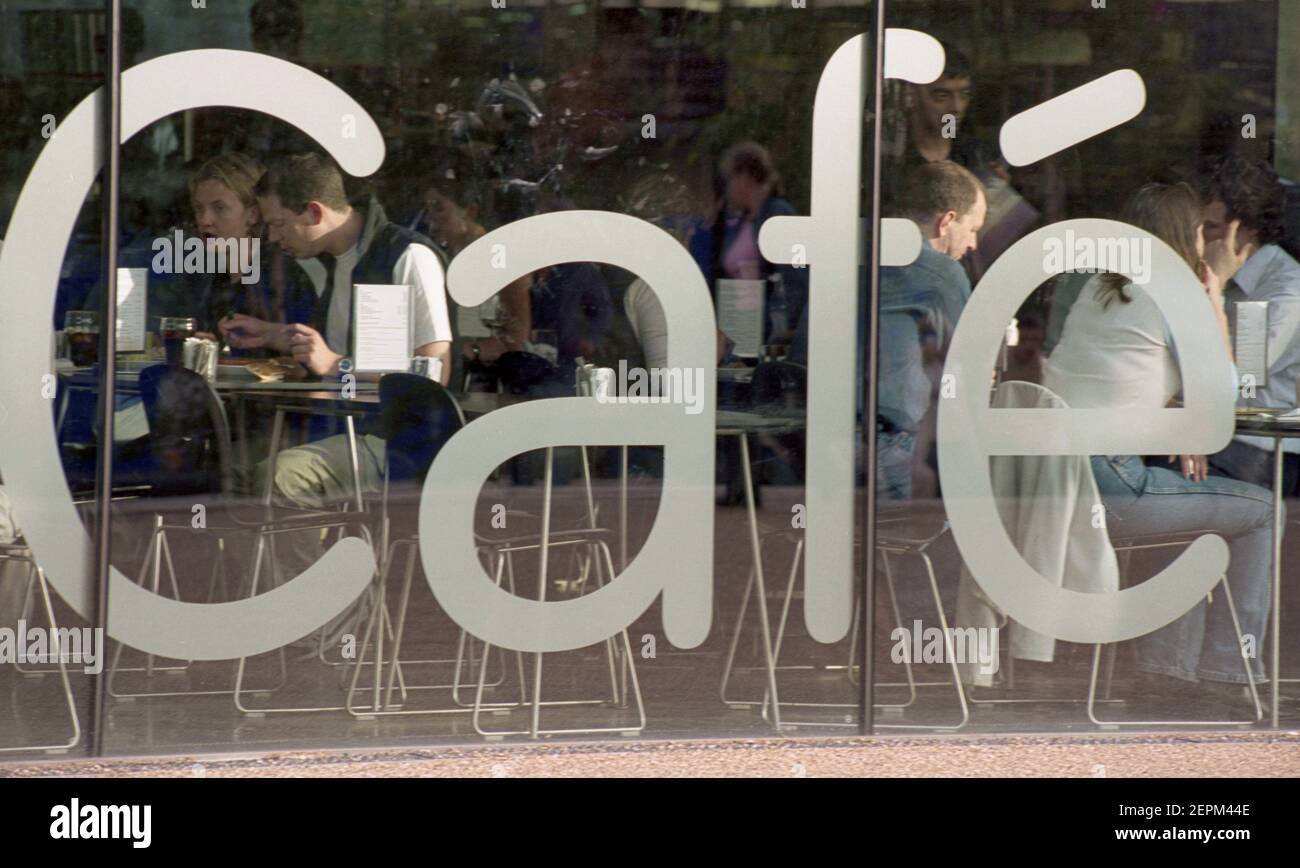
<point x="508" y="370"/>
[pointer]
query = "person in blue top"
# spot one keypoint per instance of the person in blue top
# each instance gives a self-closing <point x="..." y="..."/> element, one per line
<point x="728" y="249"/>
<point x="919" y="307"/>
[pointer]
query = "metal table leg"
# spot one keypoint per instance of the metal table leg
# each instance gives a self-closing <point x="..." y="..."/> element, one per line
<point x="1277" y="576"/>
<point x="351" y="426"/>
<point x="241" y="425"/>
<point x="277" y="434"/>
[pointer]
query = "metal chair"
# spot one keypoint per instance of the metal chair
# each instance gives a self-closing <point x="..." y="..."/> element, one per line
<point x="595" y="560"/>
<point x="1125" y="548"/>
<point x="619" y="659"/>
<point x="1022" y="394"/>
<point x="19" y="552"/>
<point x="897" y="536"/>
<point x="783" y="386"/>
<point x="191" y="454"/>
<point x="417" y="417"/>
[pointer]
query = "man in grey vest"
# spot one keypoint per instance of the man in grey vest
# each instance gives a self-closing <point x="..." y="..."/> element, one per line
<point x="308" y="214"/>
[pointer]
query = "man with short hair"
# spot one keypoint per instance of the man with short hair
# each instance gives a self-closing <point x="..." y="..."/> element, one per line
<point x="1244" y="207"/>
<point x="933" y="115"/>
<point x="307" y="213"/>
<point x="919" y="307"/>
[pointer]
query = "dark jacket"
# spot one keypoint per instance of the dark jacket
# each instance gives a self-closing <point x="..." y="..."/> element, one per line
<point x="709" y="246"/>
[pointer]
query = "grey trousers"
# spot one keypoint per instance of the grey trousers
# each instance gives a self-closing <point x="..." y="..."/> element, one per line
<point x="318" y="475"/>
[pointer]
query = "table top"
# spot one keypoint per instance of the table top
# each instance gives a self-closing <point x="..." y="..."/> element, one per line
<point x="325" y="397"/>
<point x="771" y="420"/>
<point x="1266" y="424"/>
<point x="761" y="420"/>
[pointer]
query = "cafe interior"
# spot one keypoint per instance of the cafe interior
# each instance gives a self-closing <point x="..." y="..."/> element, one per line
<point x="464" y="495"/>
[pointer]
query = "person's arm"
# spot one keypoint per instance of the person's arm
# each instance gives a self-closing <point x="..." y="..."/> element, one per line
<point x="246" y="333"/>
<point x="648" y="323"/>
<point x="311" y="351"/>
<point x="1222" y="261"/>
<point x="516" y="308"/>
<point x="418" y="266"/>
<point x="517" y="305"/>
<point x="951" y="291"/>
<point x="440" y="350"/>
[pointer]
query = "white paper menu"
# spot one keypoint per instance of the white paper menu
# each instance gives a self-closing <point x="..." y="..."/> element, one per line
<point x="381" y="334"/>
<point x="740" y="314"/>
<point x="132" y="295"/>
<point x="1250" y="341"/>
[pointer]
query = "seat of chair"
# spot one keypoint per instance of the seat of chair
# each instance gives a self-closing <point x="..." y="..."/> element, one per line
<point x="254" y="516"/>
<point x="909" y="524"/>
<point x="405" y="527"/>
<point x="15" y="551"/>
<point x="1159" y="540"/>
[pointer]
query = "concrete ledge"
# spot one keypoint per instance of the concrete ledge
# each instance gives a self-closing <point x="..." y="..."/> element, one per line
<point x="1237" y="754"/>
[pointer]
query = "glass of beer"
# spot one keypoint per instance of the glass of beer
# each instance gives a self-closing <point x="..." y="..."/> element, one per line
<point x="175" y="329"/>
<point x="81" y="327"/>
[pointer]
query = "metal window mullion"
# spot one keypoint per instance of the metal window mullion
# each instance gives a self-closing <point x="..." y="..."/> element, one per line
<point x="110" y="143"/>
<point x="873" y="340"/>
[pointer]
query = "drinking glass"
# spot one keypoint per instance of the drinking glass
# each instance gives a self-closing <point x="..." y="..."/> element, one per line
<point x="81" y="327"/>
<point x="175" y="329"/>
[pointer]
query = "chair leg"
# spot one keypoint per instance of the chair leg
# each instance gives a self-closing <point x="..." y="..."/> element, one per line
<point x="265" y="544"/>
<point x="61" y="667"/>
<point x="536" y="703"/>
<point x="28" y="613"/>
<point x="158" y="552"/>
<point x="373" y="626"/>
<point x="785" y="615"/>
<point x="888" y="570"/>
<point x="948" y="649"/>
<point x="1250" y="682"/>
<point x="735" y="641"/>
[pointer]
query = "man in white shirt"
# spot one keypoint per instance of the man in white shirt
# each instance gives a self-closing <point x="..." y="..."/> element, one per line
<point x="307" y="213"/>
<point x="1247" y="192"/>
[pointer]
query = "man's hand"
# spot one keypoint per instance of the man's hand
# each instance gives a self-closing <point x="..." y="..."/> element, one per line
<point x="249" y="333"/>
<point x="1195" y="467"/>
<point x="1224" y="257"/>
<point x="310" y="350"/>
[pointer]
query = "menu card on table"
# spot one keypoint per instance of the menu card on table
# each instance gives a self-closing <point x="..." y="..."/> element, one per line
<point x="740" y="314"/>
<point x="382" y="327"/>
<point x="1250" y="341"/>
<point x="131" y="302"/>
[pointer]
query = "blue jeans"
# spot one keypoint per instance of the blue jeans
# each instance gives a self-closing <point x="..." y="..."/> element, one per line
<point x="1142" y="500"/>
<point x="894" y="465"/>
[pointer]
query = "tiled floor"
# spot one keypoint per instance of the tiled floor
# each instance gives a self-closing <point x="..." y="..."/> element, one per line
<point x="680" y="688"/>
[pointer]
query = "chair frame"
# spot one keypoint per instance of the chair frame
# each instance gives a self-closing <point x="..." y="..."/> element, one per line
<point x="19" y="552"/>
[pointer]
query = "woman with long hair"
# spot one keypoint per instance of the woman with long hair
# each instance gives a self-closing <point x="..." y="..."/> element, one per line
<point x="1115" y="351"/>
<point x="225" y="209"/>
